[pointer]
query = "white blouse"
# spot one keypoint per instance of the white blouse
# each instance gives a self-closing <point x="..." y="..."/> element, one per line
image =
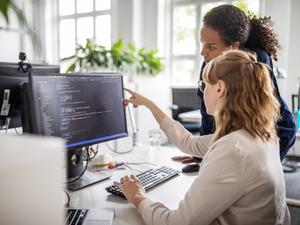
<point x="240" y="182"/>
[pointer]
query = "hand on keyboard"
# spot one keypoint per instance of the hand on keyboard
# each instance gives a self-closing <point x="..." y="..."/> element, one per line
<point x="132" y="189"/>
<point x="148" y="179"/>
<point x="134" y="186"/>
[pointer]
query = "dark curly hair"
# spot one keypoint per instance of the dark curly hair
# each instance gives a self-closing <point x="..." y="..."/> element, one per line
<point x="251" y="32"/>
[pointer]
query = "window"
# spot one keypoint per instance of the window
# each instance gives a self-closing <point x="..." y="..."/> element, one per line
<point x="83" y="19"/>
<point x="186" y="20"/>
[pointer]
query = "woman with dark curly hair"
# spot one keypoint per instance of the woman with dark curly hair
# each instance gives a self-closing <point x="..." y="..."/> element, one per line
<point x="227" y="27"/>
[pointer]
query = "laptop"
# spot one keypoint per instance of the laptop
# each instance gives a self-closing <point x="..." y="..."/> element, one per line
<point x="32" y="174"/>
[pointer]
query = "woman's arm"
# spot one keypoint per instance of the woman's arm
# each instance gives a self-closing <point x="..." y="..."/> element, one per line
<point x="220" y="182"/>
<point x="183" y="139"/>
<point x="137" y="99"/>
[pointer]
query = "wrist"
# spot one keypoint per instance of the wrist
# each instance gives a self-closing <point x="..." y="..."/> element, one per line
<point x="137" y="200"/>
<point x="149" y="103"/>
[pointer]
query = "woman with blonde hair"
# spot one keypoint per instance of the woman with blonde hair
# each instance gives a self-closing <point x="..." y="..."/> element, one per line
<point x="234" y="185"/>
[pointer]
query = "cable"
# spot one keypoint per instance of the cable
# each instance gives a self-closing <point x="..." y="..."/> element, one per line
<point x="129" y="167"/>
<point x="92" y="152"/>
<point x="114" y="150"/>
<point x="123" y="152"/>
<point x="86" y="165"/>
<point x="69" y="199"/>
<point x="141" y="163"/>
<point x="7" y="124"/>
<point x="133" y="136"/>
<point x="137" y="163"/>
<point x="87" y="159"/>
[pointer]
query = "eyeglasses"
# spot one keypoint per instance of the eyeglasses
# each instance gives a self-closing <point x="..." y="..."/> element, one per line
<point x="201" y="85"/>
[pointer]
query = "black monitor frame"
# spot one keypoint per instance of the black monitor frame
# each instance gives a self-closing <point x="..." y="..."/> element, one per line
<point x="74" y="154"/>
<point x="12" y="76"/>
<point x="85" y="143"/>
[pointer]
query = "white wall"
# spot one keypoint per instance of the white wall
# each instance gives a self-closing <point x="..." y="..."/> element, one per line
<point x="10" y="39"/>
<point x="9" y="46"/>
<point x="122" y="20"/>
<point x="293" y="63"/>
<point x="287" y="18"/>
<point x="136" y="21"/>
<point x="14" y="39"/>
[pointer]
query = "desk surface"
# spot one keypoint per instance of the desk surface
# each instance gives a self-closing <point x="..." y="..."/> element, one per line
<point x="169" y="193"/>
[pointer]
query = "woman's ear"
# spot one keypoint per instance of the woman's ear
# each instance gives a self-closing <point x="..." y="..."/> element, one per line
<point x="221" y="88"/>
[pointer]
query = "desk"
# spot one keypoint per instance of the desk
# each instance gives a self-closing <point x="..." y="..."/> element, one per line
<point x="295" y="150"/>
<point x="191" y="116"/>
<point x="169" y="193"/>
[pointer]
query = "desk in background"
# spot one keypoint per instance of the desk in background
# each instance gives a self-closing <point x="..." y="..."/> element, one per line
<point x="191" y="116"/>
<point x="169" y="193"/>
<point x="295" y="149"/>
<point x="185" y="100"/>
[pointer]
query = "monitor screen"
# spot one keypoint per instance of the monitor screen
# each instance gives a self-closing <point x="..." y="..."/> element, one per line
<point x="84" y="109"/>
<point x="11" y="79"/>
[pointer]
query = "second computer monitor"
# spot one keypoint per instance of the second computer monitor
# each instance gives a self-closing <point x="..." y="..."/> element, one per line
<point x="11" y="79"/>
<point x="84" y="109"/>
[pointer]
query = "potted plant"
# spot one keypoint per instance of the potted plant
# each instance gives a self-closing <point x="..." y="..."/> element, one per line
<point x="127" y="59"/>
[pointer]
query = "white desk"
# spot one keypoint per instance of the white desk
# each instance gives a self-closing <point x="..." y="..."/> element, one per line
<point x="295" y="150"/>
<point x="191" y="116"/>
<point x="169" y="193"/>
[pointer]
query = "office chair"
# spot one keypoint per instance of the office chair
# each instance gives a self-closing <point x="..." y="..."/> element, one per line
<point x="185" y="100"/>
<point x="294" y="208"/>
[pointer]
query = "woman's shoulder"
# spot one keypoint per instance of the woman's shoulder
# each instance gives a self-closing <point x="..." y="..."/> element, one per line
<point x="231" y="142"/>
<point x="237" y="136"/>
<point x="262" y="56"/>
<point x="243" y="144"/>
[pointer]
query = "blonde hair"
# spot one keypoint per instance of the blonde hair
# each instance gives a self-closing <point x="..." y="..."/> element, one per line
<point x="250" y="102"/>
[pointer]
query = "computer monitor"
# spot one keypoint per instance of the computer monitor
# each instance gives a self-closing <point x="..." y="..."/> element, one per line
<point x="11" y="78"/>
<point x="84" y="109"/>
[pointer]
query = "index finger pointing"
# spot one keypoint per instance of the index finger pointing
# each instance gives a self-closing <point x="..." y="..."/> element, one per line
<point x="128" y="90"/>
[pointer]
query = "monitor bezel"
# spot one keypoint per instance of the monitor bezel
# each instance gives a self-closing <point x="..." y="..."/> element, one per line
<point x="36" y="68"/>
<point x="90" y="142"/>
<point x="12" y="70"/>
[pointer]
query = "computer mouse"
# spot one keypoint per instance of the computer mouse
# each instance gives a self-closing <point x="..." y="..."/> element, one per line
<point x="191" y="168"/>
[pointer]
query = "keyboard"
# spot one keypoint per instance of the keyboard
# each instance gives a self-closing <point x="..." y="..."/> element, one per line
<point x="75" y="216"/>
<point x="149" y="179"/>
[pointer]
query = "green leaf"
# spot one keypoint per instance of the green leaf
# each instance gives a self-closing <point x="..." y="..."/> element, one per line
<point x="4" y="5"/>
<point x="131" y="47"/>
<point x="71" y="68"/>
<point x="68" y="58"/>
<point x="119" y="57"/>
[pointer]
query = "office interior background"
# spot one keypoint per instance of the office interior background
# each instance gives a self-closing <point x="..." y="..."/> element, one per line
<point x="171" y="26"/>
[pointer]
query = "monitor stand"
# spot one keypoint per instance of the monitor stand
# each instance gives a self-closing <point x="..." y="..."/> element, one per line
<point x="75" y="168"/>
<point x="87" y="179"/>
